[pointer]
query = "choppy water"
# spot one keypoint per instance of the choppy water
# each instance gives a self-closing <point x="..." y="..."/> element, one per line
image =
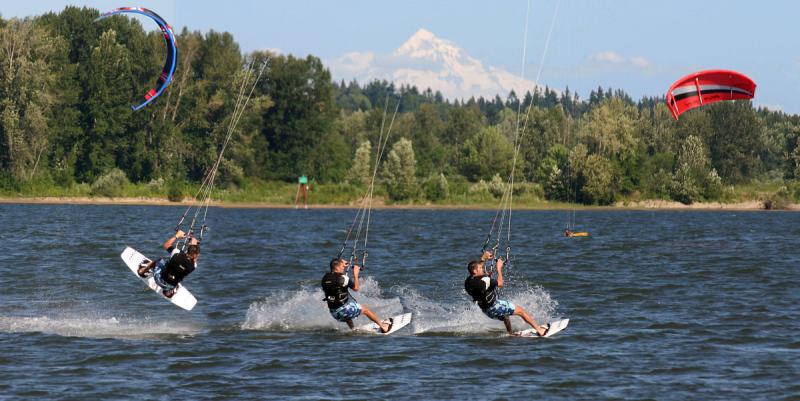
<point x="663" y="305"/>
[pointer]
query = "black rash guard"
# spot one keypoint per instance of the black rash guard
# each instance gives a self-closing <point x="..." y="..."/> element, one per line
<point x="178" y="266"/>
<point x="335" y="286"/>
<point x="482" y="289"/>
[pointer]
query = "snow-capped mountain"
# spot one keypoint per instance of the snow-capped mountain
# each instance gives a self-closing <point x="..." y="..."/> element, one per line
<point x="428" y="61"/>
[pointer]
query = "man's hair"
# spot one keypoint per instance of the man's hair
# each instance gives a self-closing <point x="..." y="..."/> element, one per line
<point x="336" y="262"/>
<point x="193" y="250"/>
<point x="473" y="266"/>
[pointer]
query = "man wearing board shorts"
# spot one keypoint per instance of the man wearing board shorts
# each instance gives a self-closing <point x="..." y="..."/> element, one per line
<point x="342" y="306"/>
<point x="169" y="272"/>
<point x="483" y="290"/>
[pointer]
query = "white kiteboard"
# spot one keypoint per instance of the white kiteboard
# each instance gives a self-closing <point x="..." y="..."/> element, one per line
<point x="398" y="322"/>
<point x="182" y="297"/>
<point x="552" y="328"/>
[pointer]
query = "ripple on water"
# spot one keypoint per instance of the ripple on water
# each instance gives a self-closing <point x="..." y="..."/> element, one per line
<point x="662" y="305"/>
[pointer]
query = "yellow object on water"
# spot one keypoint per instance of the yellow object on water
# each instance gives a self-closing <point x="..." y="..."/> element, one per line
<point x="580" y="234"/>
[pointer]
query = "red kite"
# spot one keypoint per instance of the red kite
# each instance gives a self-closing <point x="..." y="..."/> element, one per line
<point x="705" y="87"/>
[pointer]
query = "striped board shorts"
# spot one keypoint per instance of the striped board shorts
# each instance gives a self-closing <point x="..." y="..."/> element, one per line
<point x="348" y="311"/>
<point x="500" y="310"/>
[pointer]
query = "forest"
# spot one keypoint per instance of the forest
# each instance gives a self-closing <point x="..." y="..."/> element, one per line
<point x="67" y="128"/>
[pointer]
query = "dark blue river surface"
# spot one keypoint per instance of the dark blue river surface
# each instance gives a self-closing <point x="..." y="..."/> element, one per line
<point x="662" y="306"/>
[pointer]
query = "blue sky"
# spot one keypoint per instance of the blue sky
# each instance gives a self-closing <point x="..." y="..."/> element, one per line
<point x="636" y="45"/>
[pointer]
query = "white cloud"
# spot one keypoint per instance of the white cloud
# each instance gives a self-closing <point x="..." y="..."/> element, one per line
<point x="351" y="64"/>
<point x="608" y="57"/>
<point x="612" y="57"/>
<point x="640" y="62"/>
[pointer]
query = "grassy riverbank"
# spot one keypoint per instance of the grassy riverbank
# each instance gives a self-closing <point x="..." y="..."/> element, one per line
<point x="282" y="194"/>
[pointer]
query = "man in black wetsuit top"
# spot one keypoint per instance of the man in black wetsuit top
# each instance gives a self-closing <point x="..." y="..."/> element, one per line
<point x="341" y="305"/>
<point x="168" y="273"/>
<point x="483" y="290"/>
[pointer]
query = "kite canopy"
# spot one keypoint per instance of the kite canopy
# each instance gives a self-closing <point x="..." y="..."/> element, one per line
<point x="172" y="52"/>
<point x="705" y="87"/>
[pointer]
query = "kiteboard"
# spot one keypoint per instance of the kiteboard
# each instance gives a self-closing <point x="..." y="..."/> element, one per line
<point x="553" y="328"/>
<point x="398" y="322"/>
<point x="182" y="297"/>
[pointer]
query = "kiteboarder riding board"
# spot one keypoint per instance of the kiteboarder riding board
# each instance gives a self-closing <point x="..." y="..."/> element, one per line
<point x="183" y="298"/>
<point x="398" y="322"/>
<point x="552" y="328"/>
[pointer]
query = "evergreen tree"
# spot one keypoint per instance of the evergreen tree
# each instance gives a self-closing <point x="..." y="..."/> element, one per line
<point x="304" y="111"/>
<point x="108" y="109"/>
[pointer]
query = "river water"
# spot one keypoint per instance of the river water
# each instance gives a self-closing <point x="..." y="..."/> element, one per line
<point x="662" y="305"/>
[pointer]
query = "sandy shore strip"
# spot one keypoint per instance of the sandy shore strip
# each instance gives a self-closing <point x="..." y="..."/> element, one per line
<point x="627" y="205"/>
<point x="672" y="205"/>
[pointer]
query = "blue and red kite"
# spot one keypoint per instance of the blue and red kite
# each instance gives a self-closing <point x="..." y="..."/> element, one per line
<point x="172" y="52"/>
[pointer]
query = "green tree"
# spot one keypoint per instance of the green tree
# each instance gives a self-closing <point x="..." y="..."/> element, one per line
<point x="399" y="171"/>
<point x="304" y="110"/>
<point x="610" y="129"/>
<point x="425" y="133"/>
<point x="601" y="181"/>
<point x="594" y="179"/>
<point x="554" y="173"/>
<point x="462" y="123"/>
<point x="693" y="178"/>
<point x="108" y="108"/>
<point x="331" y="158"/>
<point x="361" y="169"/>
<point x="556" y="185"/>
<point x="27" y="84"/>
<point x="659" y="135"/>
<point x="542" y="129"/>
<point x="684" y="187"/>
<point x="437" y="187"/>
<point x="657" y="175"/>
<point x="485" y="154"/>
<point x="736" y="143"/>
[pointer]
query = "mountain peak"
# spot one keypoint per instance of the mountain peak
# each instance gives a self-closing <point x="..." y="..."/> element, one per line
<point x="422" y="34"/>
<point x="428" y="61"/>
<point x="424" y="44"/>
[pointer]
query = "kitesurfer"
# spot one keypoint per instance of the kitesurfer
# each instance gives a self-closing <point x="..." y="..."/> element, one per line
<point x="336" y="285"/>
<point x="483" y="290"/>
<point x="169" y="272"/>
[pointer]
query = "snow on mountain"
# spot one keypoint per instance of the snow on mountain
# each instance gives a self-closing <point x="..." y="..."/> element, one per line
<point x="428" y="61"/>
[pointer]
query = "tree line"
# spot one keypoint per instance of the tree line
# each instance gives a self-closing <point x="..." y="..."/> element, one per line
<point x="66" y="83"/>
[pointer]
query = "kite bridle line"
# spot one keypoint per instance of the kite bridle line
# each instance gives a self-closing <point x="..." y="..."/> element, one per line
<point x="361" y="203"/>
<point x="372" y="185"/>
<point x="203" y="196"/>
<point x="364" y="212"/>
<point x="365" y="199"/>
<point x="506" y="202"/>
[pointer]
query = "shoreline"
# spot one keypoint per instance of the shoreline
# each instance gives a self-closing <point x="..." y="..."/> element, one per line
<point x="751" y="205"/>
